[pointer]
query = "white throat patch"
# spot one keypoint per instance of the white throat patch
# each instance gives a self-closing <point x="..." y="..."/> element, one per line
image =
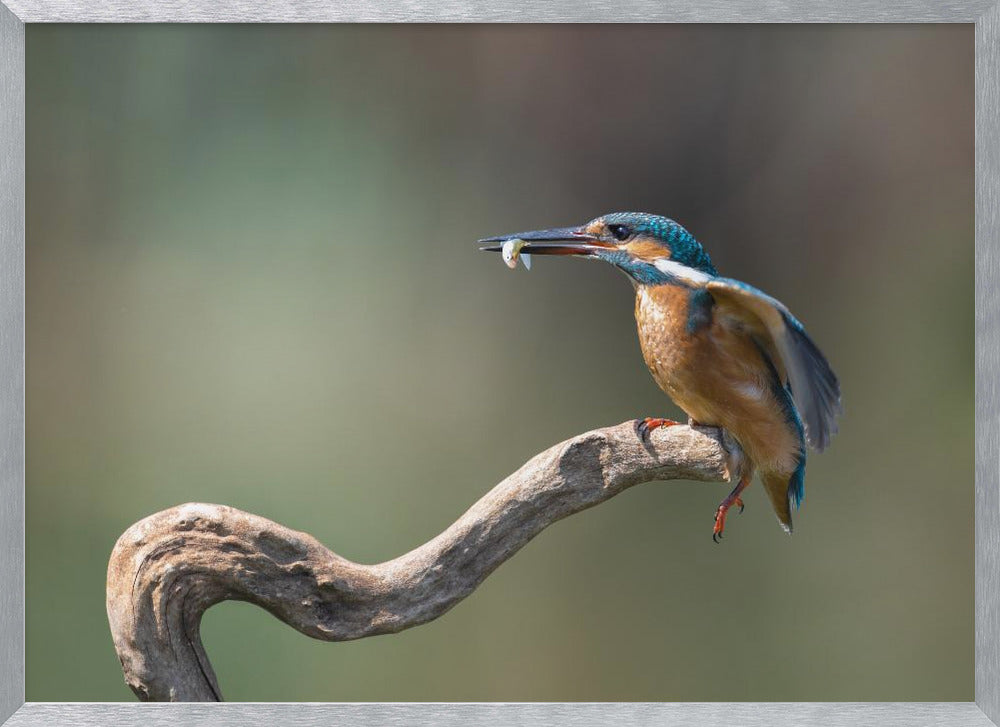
<point x="683" y="272"/>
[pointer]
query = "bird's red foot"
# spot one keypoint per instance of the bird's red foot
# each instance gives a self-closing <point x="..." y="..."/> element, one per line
<point x="733" y="498"/>
<point x="648" y="424"/>
<point x="720" y="518"/>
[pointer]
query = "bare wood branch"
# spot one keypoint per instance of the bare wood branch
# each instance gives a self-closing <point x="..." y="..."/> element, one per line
<point x="167" y="569"/>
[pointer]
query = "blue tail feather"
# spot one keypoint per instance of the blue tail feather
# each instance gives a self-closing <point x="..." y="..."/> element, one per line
<point x="797" y="485"/>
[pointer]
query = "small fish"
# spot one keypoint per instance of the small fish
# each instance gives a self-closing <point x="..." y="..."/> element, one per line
<point x="512" y="251"/>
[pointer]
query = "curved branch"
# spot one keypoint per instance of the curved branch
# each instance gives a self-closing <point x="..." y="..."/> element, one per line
<point x="167" y="569"/>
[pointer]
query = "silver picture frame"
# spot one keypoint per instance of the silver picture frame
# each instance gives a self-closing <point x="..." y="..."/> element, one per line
<point x="984" y="14"/>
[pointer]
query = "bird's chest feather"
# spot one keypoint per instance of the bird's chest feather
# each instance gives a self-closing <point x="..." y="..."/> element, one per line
<point x="710" y="367"/>
<point x="672" y="323"/>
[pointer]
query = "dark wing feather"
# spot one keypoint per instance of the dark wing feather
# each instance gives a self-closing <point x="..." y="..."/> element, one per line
<point x="814" y="386"/>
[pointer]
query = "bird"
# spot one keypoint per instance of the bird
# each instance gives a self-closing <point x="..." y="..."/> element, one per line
<point x="729" y="355"/>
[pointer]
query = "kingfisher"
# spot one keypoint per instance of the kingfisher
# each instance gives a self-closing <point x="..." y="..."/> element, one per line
<point x="729" y="355"/>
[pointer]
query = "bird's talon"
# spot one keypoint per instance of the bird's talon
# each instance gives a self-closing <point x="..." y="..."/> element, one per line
<point x="733" y="498"/>
<point x="647" y="425"/>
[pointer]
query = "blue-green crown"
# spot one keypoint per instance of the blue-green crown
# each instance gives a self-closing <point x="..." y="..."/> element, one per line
<point x="683" y="247"/>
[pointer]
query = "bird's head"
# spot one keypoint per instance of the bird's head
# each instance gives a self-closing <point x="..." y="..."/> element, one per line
<point x="649" y="248"/>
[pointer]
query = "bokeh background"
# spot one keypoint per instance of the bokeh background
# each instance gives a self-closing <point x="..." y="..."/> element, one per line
<point x="252" y="280"/>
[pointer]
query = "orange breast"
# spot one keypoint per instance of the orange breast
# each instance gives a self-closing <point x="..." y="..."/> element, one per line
<point x="716" y="374"/>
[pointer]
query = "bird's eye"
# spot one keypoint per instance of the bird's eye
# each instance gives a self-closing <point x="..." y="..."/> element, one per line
<point x="621" y="232"/>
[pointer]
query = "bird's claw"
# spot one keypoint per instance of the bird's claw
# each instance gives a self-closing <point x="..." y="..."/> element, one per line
<point x="719" y="524"/>
<point x="645" y="426"/>
<point x="720" y="516"/>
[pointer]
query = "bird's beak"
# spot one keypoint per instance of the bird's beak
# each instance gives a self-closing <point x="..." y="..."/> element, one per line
<point x="557" y="241"/>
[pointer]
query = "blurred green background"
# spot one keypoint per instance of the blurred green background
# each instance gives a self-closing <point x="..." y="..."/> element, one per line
<point x="252" y="280"/>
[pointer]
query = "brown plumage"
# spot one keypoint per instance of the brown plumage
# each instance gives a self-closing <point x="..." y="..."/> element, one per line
<point x="719" y="377"/>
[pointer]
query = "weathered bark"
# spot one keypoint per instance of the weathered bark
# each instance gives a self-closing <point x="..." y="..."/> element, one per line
<point x="167" y="569"/>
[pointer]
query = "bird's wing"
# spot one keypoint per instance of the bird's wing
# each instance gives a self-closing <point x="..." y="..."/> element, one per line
<point x="814" y="386"/>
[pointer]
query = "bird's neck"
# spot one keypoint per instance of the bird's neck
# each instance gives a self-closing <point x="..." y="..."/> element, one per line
<point x="661" y="271"/>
